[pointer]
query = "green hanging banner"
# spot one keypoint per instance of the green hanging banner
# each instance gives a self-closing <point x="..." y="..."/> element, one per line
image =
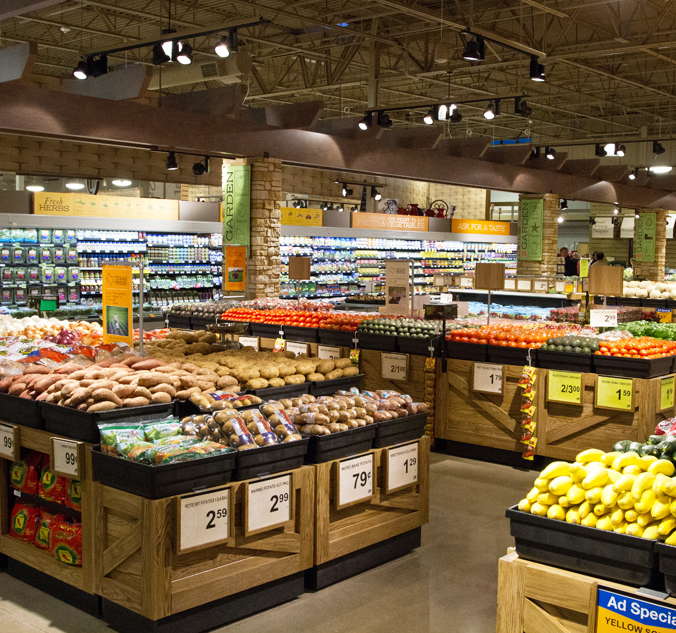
<point x="236" y="205"/>
<point x="646" y="236"/>
<point x="531" y="219"/>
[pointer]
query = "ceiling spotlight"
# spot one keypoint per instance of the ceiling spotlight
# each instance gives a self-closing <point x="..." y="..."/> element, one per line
<point x="592" y="221"/>
<point x="429" y="117"/>
<point x="535" y="153"/>
<point x="550" y="153"/>
<point x="633" y="174"/>
<point x="329" y="207"/>
<point x="354" y="208"/>
<point x="636" y="215"/>
<point x="347" y="191"/>
<point x="325" y="206"/>
<point x="172" y="165"/>
<point x="474" y="50"/>
<point x="376" y="195"/>
<point x="185" y="55"/>
<point x="660" y="169"/>
<point x="122" y="183"/>
<point x="339" y="208"/>
<point x="222" y="49"/>
<point x="295" y="204"/>
<point x="616" y="210"/>
<point x="74" y="185"/>
<point x="492" y="110"/>
<point x="200" y="168"/>
<point x="159" y="56"/>
<point x="658" y="148"/>
<point x="600" y="151"/>
<point x="384" y="120"/>
<point x="168" y="45"/>
<point x="366" y="122"/>
<point x="80" y="71"/>
<point x="610" y="149"/>
<point x="35" y="188"/>
<point x="537" y="71"/>
<point x="563" y="205"/>
<point x="442" y="112"/>
<point x="621" y="150"/>
<point x="455" y="117"/>
<point x="560" y="219"/>
<point x="522" y="108"/>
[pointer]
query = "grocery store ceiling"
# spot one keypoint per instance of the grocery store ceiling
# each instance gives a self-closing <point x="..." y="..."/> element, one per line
<point x="610" y="65"/>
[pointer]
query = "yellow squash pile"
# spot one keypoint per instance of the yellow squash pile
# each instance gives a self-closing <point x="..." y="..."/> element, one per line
<point x="622" y="492"/>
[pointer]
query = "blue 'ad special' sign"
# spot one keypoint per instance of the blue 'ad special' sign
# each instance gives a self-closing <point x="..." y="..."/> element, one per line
<point x="619" y="613"/>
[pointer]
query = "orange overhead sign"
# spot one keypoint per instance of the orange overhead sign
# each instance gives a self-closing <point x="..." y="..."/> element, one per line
<point x="480" y="227"/>
<point x="388" y="222"/>
<point x="301" y="217"/>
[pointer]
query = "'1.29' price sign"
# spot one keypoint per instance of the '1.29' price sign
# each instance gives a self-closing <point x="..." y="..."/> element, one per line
<point x="488" y="378"/>
<point x="564" y="386"/>
<point x="614" y="393"/>
<point x="203" y="519"/>
<point x="64" y="458"/>
<point x="268" y="504"/>
<point x="354" y="481"/>
<point x="402" y="467"/>
<point x="394" y="366"/>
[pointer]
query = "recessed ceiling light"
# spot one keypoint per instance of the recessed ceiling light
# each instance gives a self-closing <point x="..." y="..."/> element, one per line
<point x="75" y="186"/>
<point x="122" y="183"/>
<point x="35" y="188"/>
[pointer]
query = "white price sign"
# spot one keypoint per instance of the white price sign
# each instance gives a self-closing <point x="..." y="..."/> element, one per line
<point x="250" y="341"/>
<point x="488" y="378"/>
<point x="296" y="348"/>
<point x="603" y="318"/>
<point x="465" y="282"/>
<point x="540" y="286"/>
<point x="327" y="352"/>
<point x="355" y="481"/>
<point x="268" y="504"/>
<point x="523" y="284"/>
<point x="394" y="366"/>
<point x="560" y="286"/>
<point x="402" y="467"/>
<point x="9" y="442"/>
<point x="64" y="458"/>
<point x="203" y="519"/>
<point x="510" y="284"/>
<point x="445" y="298"/>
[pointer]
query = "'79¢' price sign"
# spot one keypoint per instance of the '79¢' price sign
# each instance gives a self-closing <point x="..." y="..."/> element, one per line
<point x="203" y="520"/>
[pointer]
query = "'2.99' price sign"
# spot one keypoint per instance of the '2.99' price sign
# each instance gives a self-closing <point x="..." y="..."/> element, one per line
<point x="64" y="458"/>
<point x="269" y="504"/>
<point x="203" y="520"/>
<point x="10" y="444"/>
<point x="355" y="481"/>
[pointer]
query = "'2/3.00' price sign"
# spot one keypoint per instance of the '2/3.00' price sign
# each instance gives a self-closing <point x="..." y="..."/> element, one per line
<point x="10" y="445"/>
<point x="488" y="378"/>
<point x="203" y="520"/>
<point x="394" y="366"/>
<point x="401" y="467"/>
<point x="564" y="386"/>
<point x="355" y="481"/>
<point x="268" y="504"/>
<point x="64" y="458"/>
<point x="614" y="393"/>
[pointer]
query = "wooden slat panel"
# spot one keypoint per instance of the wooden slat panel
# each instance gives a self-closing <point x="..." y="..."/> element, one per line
<point x="158" y="535"/>
<point x="121" y="589"/>
<point x="374" y="519"/>
<point x="281" y="542"/>
<point x="558" y="587"/>
<point x="536" y="620"/>
<point x="122" y="503"/>
<point x="123" y="548"/>
<point x="511" y="586"/>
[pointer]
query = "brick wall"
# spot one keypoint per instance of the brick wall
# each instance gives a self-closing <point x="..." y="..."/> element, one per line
<point x="550" y="237"/>
<point x="26" y="155"/>
<point x="319" y="185"/>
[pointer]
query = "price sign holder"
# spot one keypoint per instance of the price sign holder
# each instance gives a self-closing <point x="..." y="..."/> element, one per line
<point x="269" y="504"/>
<point x="394" y="366"/>
<point x="666" y="394"/>
<point x="616" y="394"/>
<point x="603" y="318"/>
<point x="297" y="348"/>
<point x="488" y="378"/>
<point x="250" y="341"/>
<point x="355" y="481"/>
<point x="328" y="352"/>
<point x="64" y="457"/>
<point x="401" y="467"/>
<point x="564" y="387"/>
<point x="198" y="525"/>
<point x="10" y="442"/>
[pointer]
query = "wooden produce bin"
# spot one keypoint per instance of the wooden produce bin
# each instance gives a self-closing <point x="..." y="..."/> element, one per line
<point x="140" y="572"/>
<point x="541" y="599"/>
<point x="370" y="362"/>
<point x="564" y="430"/>
<point x="78" y="578"/>
<point x="387" y="519"/>
<point x="464" y="415"/>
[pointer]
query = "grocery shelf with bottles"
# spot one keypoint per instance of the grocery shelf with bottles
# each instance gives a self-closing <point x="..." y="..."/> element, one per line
<point x="343" y="266"/>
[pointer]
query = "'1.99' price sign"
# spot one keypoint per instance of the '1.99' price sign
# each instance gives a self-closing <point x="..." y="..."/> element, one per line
<point x="269" y="504"/>
<point x="203" y="520"/>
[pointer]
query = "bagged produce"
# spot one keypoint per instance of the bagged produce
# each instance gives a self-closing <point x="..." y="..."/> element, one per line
<point x="74" y="495"/>
<point x="52" y="487"/>
<point x="67" y="540"/>
<point x="25" y="474"/>
<point x="47" y="523"/>
<point x="24" y="522"/>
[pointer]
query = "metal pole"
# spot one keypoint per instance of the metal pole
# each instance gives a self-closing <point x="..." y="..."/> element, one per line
<point x="140" y="312"/>
<point x="489" y="308"/>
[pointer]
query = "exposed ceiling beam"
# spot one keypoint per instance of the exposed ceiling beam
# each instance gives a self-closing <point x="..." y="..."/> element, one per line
<point x="13" y="8"/>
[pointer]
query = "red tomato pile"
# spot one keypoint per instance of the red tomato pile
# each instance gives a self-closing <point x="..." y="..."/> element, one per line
<point x="277" y="317"/>
<point x="506" y="335"/>
<point x="345" y="322"/>
<point x="642" y="347"/>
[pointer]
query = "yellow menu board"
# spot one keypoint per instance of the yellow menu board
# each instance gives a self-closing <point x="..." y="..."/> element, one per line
<point x="83" y="205"/>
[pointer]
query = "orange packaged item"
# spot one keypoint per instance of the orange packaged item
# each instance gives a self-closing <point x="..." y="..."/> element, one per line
<point x="24" y="522"/>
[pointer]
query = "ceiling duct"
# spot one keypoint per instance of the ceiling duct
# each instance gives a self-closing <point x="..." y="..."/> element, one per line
<point x="228" y="71"/>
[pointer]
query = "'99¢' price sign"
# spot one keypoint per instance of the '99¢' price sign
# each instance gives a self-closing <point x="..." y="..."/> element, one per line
<point x="65" y="458"/>
<point x="10" y="444"/>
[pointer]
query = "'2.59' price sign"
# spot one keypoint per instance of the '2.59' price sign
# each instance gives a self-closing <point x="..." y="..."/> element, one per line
<point x="203" y="520"/>
<point x="269" y="504"/>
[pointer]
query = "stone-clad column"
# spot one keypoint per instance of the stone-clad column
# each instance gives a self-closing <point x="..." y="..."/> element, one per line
<point x="550" y="237"/>
<point x="653" y="271"/>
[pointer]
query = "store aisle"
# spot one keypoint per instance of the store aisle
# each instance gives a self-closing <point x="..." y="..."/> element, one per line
<point x="450" y="584"/>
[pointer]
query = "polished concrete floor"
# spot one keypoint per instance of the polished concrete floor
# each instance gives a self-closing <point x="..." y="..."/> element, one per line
<point x="448" y="585"/>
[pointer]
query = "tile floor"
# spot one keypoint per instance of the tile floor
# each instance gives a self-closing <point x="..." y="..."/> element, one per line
<point x="448" y="585"/>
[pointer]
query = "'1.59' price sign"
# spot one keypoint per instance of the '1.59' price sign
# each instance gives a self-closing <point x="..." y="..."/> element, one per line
<point x="203" y="520"/>
<point x="394" y="366"/>
<point x="355" y="481"/>
<point x="10" y="444"/>
<point x="269" y="504"/>
<point x="614" y="393"/>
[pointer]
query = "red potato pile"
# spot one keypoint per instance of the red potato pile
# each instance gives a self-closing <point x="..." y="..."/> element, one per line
<point x="113" y="383"/>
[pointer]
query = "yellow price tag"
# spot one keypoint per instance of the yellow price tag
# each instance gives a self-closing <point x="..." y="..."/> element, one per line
<point x="667" y="393"/>
<point x="569" y="287"/>
<point x="564" y="386"/>
<point x="614" y="393"/>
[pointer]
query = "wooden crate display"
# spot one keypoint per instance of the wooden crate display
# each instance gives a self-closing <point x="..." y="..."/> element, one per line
<point x="370" y="362"/>
<point x="27" y="553"/>
<point x="535" y="598"/>
<point x="340" y="532"/>
<point x="138" y="567"/>
<point x="464" y="415"/>
<point x="564" y="430"/>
